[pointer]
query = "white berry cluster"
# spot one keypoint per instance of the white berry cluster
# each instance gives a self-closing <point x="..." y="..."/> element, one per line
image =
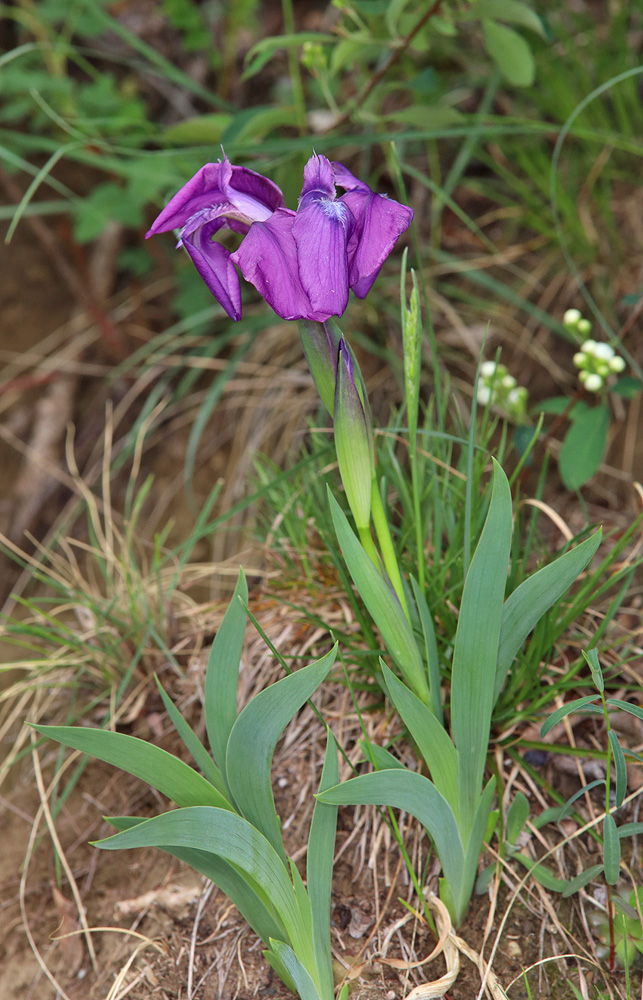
<point x="596" y="361"/>
<point x="497" y="387"/>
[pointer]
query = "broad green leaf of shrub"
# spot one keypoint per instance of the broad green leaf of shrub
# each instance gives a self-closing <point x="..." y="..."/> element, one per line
<point x="510" y="52"/>
<point x="255" y="124"/>
<point x="584" y="446"/>
<point x="516" y="817"/>
<point x="265" y="49"/>
<point x="106" y="203"/>
<point x="200" y="129"/>
<point x="628" y="387"/>
<point x="511" y="11"/>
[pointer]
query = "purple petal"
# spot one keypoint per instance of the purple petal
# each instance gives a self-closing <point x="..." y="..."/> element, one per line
<point x="213" y="263"/>
<point x="201" y="192"/>
<point x="267" y="258"/>
<point x="380" y="221"/>
<point x="346" y="179"/>
<point x="322" y="229"/>
<point x="319" y="179"/>
<point x="247" y="195"/>
<point x="253" y="193"/>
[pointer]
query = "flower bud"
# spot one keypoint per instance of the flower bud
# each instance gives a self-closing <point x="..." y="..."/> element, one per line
<point x="321" y="344"/>
<point x="583" y="326"/>
<point x="571" y="318"/>
<point x="353" y="438"/>
<point x="603" y="351"/>
<point x="592" y="381"/>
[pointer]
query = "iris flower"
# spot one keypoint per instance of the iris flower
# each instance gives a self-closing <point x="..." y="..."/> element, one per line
<point x="303" y="263"/>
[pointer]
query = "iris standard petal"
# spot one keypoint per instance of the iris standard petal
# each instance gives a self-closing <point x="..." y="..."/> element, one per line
<point x="248" y="195"/>
<point x="201" y="192"/>
<point x="267" y="258"/>
<point x="319" y="179"/>
<point x="380" y="222"/>
<point x="213" y="263"/>
<point x="253" y="194"/>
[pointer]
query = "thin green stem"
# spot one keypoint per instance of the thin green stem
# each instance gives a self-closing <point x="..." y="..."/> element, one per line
<point x="608" y="775"/>
<point x="368" y="545"/>
<point x="417" y="514"/>
<point x="386" y="546"/>
<point x="293" y="68"/>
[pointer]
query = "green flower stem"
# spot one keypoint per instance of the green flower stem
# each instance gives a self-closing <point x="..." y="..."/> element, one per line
<point x="386" y="546"/>
<point x="293" y="67"/>
<point x="368" y="545"/>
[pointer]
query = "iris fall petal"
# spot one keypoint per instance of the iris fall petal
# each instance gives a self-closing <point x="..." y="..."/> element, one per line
<point x="267" y="258"/>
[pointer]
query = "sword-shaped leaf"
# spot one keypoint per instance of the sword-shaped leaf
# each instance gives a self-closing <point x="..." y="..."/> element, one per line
<point x="431" y="738"/>
<point x="319" y="868"/>
<point x="253" y="739"/>
<point x="200" y="755"/>
<point x="475" y="652"/>
<point x="222" y="674"/>
<point x="231" y="837"/>
<point x="150" y="763"/>
<point x="525" y="607"/>
<point x="252" y="903"/>
<point x="383" y="606"/>
<point x="415" y="794"/>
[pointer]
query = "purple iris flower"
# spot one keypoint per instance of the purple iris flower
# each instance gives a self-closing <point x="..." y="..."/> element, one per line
<point x="219" y="196"/>
<point x="303" y="263"/>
